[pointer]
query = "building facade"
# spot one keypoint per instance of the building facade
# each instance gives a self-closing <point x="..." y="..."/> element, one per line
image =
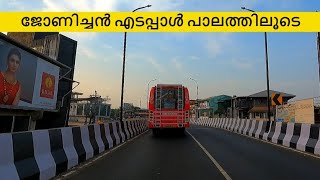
<point x="258" y="104"/>
<point x="254" y="106"/>
<point x="209" y="107"/>
<point x="223" y="106"/>
<point x="240" y="107"/>
<point x="89" y="110"/>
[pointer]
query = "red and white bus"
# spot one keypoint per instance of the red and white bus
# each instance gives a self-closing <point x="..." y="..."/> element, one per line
<point x="169" y="107"/>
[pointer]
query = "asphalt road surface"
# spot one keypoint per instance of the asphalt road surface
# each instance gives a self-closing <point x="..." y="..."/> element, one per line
<point x="172" y="156"/>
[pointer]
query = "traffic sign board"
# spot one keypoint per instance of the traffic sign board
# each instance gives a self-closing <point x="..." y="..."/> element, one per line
<point x="276" y="99"/>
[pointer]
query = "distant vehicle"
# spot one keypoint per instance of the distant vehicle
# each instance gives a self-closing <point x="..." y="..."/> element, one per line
<point x="169" y="107"/>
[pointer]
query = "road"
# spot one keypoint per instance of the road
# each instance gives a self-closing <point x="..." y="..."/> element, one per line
<point x="175" y="157"/>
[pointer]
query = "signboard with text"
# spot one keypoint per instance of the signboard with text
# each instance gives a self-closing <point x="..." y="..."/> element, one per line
<point x="301" y="111"/>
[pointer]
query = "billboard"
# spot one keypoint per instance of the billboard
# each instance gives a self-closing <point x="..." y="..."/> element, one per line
<point x="304" y="111"/>
<point x="285" y="113"/>
<point x="301" y="111"/>
<point x="204" y="105"/>
<point x="26" y="80"/>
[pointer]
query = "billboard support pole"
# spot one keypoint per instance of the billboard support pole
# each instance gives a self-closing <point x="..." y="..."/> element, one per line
<point x="65" y="121"/>
<point x="13" y="122"/>
<point x="78" y="83"/>
<point x="64" y="76"/>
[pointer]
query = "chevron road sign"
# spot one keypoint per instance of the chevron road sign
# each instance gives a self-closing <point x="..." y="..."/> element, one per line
<point x="276" y="99"/>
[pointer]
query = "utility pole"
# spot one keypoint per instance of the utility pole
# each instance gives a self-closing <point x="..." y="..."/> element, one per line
<point x="267" y="72"/>
<point x="148" y="92"/>
<point x="123" y="66"/>
<point x="197" y="102"/>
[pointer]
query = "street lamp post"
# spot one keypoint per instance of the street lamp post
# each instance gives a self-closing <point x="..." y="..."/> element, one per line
<point x="197" y="97"/>
<point x="123" y="65"/>
<point x="148" y="92"/>
<point x="267" y="69"/>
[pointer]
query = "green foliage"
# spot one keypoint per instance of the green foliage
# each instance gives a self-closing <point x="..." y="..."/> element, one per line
<point x="115" y="113"/>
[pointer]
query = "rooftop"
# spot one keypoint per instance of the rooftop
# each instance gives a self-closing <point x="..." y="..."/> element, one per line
<point x="240" y="97"/>
<point x="265" y="94"/>
<point x="206" y="99"/>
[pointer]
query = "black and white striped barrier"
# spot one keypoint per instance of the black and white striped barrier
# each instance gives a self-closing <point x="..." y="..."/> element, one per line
<point x="303" y="137"/>
<point x="43" y="154"/>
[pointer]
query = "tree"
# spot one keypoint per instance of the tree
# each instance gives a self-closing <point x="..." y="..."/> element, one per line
<point x="115" y="113"/>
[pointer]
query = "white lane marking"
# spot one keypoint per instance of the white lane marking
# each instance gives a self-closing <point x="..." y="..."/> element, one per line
<point x="278" y="145"/>
<point x="90" y="162"/>
<point x="223" y="172"/>
<point x="69" y="173"/>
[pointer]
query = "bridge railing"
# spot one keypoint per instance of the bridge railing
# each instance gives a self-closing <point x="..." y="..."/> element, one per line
<point x="43" y="154"/>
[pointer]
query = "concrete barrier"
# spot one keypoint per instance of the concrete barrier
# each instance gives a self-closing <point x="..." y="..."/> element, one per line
<point x="253" y="127"/>
<point x="303" y="137"/>
<point x="313" y="144"/>
<point x="246" y="128"/>
<point x="43" y="154"/>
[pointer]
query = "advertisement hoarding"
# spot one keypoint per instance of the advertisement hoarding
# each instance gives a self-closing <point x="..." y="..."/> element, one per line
<point x="26" y="80"/>
<point x="304" y="111"/>
<point x="204" y="105"/>
<point x="301" y="111"/>
<point x="285" y="113"/>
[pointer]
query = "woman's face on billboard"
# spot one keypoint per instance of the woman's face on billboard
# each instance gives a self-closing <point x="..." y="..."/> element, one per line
<point x="13" y="63"/>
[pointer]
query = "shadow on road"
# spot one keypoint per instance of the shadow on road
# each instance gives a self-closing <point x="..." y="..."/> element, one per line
<point x="170" y="134"/>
